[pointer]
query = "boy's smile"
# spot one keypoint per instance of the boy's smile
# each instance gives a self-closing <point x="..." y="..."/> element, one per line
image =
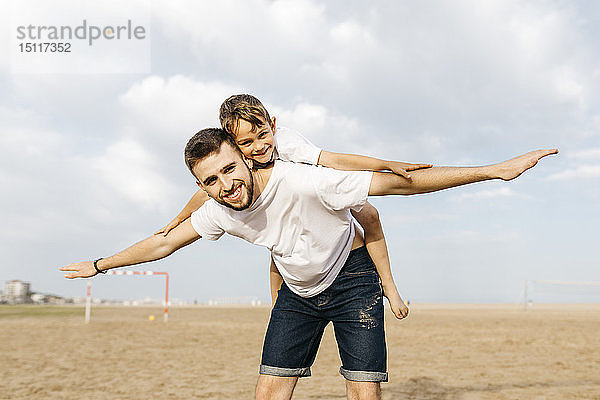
<point x="256" y="143"/>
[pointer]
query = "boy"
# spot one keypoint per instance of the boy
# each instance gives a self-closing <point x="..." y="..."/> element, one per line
<point x="256" y="134"/>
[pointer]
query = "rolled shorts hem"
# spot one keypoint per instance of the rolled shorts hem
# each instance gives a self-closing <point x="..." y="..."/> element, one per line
<point x="364" y="376"/>
<point x="277" y="371"/>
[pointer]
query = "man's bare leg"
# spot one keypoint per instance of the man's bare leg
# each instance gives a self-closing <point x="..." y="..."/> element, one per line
<point x="363" y="390"/>
<point x="271" y="387"/>
<point x="439" y="178"/>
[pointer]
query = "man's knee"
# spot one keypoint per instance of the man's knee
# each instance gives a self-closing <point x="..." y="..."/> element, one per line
<point x="275" y="387"/>
<point x="363" y="390"/>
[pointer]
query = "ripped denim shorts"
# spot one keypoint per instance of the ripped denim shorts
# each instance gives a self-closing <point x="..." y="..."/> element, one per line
<point x="353" y="302"/>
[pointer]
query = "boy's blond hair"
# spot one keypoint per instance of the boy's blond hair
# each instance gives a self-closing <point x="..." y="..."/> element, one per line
<point x="242" y="106"/>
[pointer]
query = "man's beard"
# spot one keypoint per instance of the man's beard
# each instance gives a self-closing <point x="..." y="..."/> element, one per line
<point x="250" y="196"/>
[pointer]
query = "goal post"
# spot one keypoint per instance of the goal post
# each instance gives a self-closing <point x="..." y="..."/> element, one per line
<point x="561" y="290"/>
<point x="88" y="302"/>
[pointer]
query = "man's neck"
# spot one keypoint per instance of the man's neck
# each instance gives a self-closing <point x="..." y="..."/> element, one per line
<point x="260" y="178"/>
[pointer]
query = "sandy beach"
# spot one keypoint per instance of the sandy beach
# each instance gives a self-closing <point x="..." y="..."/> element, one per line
<point x="440" y="352"/>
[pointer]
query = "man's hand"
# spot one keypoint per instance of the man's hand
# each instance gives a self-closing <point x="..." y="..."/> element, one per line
<point x="152" y="248"/>
<point x="83" y="269"/>
<point x="514" y="167"/>
<point x="402" y="168"/>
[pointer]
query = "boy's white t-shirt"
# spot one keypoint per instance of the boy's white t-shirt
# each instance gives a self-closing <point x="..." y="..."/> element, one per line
<point x="302" y="216"/>
<point x="292" y="146"/>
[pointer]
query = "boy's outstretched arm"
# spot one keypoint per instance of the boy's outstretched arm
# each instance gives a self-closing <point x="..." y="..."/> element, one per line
<point x="368" y="218"/>
<point x="199" y="198"/>
<point x="352" y="162"/>
<point x="153" y="248"/>
<point x="439" y="178"/>
<point x="276" y="281"/>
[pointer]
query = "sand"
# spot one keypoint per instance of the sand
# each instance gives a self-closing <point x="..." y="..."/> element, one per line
<point x="439" y="352"/>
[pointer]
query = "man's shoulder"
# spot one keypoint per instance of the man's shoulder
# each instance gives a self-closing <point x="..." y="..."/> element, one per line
<point x="211" y="208"/>
<point x="292" y="175"/>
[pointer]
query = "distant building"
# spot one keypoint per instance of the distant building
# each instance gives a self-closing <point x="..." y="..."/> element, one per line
<point x="41" y="298"/>
<point x="16" y="291"/>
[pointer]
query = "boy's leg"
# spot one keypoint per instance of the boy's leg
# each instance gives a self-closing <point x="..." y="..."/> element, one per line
<point x="275" y="387"/>
<point x="368" y="218"/>
<point x="363" y="390"/>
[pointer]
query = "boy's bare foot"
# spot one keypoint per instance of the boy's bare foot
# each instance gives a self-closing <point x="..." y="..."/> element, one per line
<point x="397" y="305"/>
<point x="514" y="167"/>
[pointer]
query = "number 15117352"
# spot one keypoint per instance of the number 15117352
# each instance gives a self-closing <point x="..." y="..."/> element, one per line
<point x="45" y="47"/>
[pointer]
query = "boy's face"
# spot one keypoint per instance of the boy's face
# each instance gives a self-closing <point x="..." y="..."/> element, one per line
<point x="257" y="145"/>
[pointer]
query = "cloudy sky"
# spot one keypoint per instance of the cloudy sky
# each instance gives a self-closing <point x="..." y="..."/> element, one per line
<point x="92" y="162"/>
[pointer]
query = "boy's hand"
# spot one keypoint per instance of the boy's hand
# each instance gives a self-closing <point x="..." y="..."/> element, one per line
<point x="402" y="168"/>
<point x="169" y="227"/>
<point x="83" y="269"/>
<point x="397" y="305"/>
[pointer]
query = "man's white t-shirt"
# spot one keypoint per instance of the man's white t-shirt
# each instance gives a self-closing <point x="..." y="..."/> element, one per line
<point x="302" y="216"/>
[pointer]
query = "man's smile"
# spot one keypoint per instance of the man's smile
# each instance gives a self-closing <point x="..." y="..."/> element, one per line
<point x="234" y="195"/>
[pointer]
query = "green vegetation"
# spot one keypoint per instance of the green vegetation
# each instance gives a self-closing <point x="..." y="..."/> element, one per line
<point x="35" y="311"/>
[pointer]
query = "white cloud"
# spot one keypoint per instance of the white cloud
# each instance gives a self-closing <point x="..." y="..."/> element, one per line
<point x="350" y="31"/>
<point x="454" y="71"/>
<point x="129" y="169"/>
<point x="176" y="106"/>
<point x="24" y="130"/>
<point x="583" y="172"/>
<point x="293" y="19"/>
<point x="334" y="132"/>
<point x="502" y="192"/>
<point x="239" y="31"/>
<point x="585" y="154"/>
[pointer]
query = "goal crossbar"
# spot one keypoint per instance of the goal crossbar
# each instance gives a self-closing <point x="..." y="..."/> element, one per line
<point x="88" y="303"/>
<point x="528" y="283"/>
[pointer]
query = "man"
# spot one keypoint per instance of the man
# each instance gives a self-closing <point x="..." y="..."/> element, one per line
<point x="301" y="213"/>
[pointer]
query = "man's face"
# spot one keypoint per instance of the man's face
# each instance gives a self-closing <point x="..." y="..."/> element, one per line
<point x="226" y="178"/>
<point x="256" y="145"/>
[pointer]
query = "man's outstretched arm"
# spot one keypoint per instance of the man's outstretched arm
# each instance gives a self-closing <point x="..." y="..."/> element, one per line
<point x="153" y="248"/>
<point x="439" y="178"/>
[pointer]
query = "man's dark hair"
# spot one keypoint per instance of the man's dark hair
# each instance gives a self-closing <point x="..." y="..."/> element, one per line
<point x="204" y="143"/>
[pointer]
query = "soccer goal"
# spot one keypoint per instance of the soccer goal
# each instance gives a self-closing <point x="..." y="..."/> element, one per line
<point x="541" y="291"/>
<point x="88" y="301"/>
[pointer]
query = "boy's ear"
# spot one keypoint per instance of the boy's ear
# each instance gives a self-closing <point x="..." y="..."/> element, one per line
<point x="273" y="124"/>
<point x="249" y="162"/>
